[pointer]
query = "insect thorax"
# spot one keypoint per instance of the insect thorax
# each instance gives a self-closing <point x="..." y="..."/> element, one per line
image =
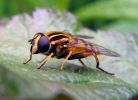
<point x="58" y="40"/>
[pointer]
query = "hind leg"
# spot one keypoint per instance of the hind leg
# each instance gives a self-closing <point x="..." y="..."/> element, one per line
<point x="97" y="65"/>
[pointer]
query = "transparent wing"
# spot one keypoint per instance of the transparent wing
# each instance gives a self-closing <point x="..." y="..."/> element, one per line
<point x="83" y="36"/>
<point x="94" y="48"/>
<point x="79" y="36"/>
<point x="102" y="50"/>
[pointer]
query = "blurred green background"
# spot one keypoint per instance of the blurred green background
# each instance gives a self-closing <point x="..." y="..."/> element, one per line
<point x="119" y="15"/>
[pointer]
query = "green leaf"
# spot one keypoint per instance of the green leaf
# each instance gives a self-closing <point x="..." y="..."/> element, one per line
<point x="74" y="82"/>
<point x="60" y="4"/>
<point x="11" y="7"/>
<point x="109" y="9"/>
<point x="124" y="26"/>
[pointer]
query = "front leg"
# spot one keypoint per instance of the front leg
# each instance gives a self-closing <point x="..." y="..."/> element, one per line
<point x="45" y="60"/>
<point x="28" y="59"/>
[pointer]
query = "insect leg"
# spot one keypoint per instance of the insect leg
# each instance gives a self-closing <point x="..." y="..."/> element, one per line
<point x="62" y="66"/>
<point x="97" y="65"/>
<point x="42" y="59"/>
<point x="29" y="59"/>
<point x="82" y="63"/>
<point x="45" y="60"/>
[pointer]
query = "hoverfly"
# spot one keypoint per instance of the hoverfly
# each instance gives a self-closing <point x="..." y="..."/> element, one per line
<point x="67" y="46"/>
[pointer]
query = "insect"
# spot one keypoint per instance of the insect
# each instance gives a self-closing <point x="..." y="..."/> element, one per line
<point x="67" y="46"/>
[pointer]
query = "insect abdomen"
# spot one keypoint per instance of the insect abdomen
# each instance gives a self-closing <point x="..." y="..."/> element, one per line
<point x="76" y="56"/>
<point x="80" y="55"/>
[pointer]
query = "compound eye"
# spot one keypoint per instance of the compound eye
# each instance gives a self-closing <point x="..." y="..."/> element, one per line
<point x="43" y="44"/>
